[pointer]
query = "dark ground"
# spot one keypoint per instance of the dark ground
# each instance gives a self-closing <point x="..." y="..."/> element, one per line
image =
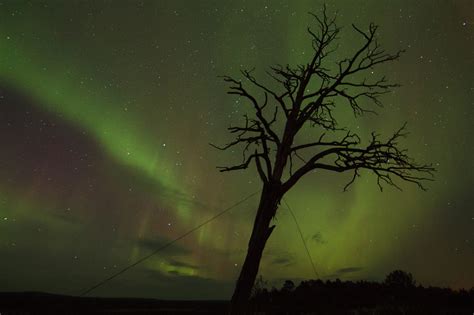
<point x="42" y="303"/>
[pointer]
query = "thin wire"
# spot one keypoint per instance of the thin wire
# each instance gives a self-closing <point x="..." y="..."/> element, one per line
<point x="166" y="245"/>
<point x="302" y="238"/>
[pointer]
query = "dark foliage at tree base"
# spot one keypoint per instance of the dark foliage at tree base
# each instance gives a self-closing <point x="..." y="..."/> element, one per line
<point x="398" y="294"/>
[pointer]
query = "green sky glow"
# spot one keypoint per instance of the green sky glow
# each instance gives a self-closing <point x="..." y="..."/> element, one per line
<point x="131" y="90"/>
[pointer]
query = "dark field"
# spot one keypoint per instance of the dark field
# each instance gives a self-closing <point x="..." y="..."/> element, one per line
<point x="43" y="303"/>
<point x="275" y="302"/>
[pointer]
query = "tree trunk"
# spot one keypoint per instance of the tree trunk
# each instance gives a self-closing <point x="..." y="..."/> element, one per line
<point x="262" y="230"/>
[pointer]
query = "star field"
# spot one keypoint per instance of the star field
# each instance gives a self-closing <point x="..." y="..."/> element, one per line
<point x="107" y="109"/>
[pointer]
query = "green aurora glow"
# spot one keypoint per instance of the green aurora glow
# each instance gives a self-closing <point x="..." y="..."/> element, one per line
<point x="136" y="84"/>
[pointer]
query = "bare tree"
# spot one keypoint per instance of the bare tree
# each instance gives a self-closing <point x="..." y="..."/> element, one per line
<point x="307" y="95"/>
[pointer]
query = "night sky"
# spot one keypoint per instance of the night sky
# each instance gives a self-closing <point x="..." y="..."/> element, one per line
<point x="107" y="109"/>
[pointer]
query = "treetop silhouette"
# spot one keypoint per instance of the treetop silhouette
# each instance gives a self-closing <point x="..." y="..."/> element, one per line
<point x="400" y="279"/>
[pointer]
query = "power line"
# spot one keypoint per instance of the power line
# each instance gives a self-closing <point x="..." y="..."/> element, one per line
<point x="166" y="245"/>
<point x="302" y="238"/>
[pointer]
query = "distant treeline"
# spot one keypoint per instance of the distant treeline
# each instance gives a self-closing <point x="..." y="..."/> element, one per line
<point x="398" y="294"/>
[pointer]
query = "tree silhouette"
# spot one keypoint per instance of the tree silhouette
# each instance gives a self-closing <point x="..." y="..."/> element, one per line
<point x="307" y="96"/>
<point x="288" y="286"/>
<point x="396" y="295"/>
<point x="399" y="279"/>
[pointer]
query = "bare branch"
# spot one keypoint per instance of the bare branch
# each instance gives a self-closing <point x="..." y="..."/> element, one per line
<point x="241" y="166"/>
<point x="384" y="159"/>
<point x="349" y="139"/>
<point x="237" y="89"/>
<point x="239" y="140"/>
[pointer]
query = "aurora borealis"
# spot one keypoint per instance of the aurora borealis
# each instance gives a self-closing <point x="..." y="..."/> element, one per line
<point x="107" y="109"/>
